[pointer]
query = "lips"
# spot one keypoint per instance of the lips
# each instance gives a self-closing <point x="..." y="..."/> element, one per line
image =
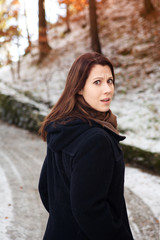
<point x="105" y="100"/>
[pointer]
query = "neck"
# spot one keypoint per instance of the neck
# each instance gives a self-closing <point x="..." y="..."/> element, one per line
<point x="106" y="119"/>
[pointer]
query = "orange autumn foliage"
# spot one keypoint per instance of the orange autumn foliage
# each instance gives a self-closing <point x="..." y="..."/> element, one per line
<point x="75" y="5"/>
<point x="9" y="12"/>
<point x="15" y="2"/>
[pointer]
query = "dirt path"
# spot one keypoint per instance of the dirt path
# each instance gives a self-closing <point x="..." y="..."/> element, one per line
<point x="22" y="215"/>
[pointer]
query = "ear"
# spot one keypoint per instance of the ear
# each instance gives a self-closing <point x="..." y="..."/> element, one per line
<point x="80" y="92"/>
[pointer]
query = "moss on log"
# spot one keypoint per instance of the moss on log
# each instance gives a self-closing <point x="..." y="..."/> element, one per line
<point x="22" y="114"/>
<point x="141" y="158"/>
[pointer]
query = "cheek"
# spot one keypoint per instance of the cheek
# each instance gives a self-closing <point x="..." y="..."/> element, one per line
<point x="90" y="93"/>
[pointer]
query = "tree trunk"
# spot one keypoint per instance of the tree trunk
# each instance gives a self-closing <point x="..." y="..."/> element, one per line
<point x="148" y="6"/>
<point x="68" y="19"/>
<point x="28" y="49"/>
<point x="95" y="43"/>
<point x="44" y="47"/>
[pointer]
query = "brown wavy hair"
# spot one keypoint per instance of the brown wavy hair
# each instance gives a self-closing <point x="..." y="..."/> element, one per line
<point x="76" y="79"/>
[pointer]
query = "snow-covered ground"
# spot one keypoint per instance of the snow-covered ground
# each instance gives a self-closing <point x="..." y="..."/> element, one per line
<point x="146" y="186"/>
<point x="6" y="210"/>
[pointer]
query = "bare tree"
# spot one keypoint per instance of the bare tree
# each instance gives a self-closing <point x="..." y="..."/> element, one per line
<point x="44" y="47"/>
<point x="95" y="43"/>
<point x="28" y="49"/>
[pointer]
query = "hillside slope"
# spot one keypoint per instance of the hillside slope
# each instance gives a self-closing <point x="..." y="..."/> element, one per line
<point x="133" y="45"/>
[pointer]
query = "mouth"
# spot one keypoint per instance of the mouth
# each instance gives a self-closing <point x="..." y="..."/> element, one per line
<point x="106" y="100"/>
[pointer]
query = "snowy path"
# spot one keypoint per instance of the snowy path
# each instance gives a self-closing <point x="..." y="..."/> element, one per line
<point x="22" y="215"/>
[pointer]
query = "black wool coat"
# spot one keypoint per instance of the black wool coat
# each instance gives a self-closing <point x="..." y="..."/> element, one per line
<point x="82" y="183"/>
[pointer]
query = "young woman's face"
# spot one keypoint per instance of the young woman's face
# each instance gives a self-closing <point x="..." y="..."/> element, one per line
<point x="99" y="89"/>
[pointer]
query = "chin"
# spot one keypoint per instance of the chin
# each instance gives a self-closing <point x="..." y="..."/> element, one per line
<point x="102" y="110"/>
<point x="105" y="109"/>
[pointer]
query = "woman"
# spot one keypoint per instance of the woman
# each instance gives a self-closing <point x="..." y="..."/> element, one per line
<point x="82" y="179"/>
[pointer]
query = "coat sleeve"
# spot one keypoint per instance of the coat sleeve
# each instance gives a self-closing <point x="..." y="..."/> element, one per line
<point x="43" y="186"/>
<point x="90" y="181"/>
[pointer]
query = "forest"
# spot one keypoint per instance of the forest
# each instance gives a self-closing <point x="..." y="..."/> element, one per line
<point x="84" y="12"/>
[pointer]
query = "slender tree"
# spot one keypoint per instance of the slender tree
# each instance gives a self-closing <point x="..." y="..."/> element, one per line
<point x="28" y="49"/>
<point x="44" y="47"/>
<point x="95" y="43"/>
<point x="10" y="33"/>
<point x="148" y="7"/>
<point x="72" y="7"/>
<point x="67" y="19"/>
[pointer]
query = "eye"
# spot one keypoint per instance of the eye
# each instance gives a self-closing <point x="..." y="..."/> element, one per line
<point x="97" y="82"/>
<point x="110" y="81"/>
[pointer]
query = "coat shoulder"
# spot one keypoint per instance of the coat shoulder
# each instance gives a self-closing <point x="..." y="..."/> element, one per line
<point x="93" y="137"/>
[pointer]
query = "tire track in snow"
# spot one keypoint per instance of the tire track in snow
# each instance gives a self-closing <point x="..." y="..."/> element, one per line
<point x="143" y="223"/>
<point x="25" y="197"/>
<point x="21" y="171"/>
<point x="6" y="209"/>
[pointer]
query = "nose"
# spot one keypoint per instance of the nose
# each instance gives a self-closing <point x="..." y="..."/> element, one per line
<point x="107" y="88"/>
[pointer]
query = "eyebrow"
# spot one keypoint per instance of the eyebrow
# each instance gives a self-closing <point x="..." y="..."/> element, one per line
<point x="102" y="77"/>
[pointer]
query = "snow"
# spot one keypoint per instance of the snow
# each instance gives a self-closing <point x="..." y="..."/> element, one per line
<point x="146" y="186"/>
<point x="6" y="210"/>
<point x="139" y="118"/>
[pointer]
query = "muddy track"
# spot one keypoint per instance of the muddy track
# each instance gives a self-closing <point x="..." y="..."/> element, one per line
<point x="22" y="214"/>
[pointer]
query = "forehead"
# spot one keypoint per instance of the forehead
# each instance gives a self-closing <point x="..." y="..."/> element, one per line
<point x="100" y="71"/>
